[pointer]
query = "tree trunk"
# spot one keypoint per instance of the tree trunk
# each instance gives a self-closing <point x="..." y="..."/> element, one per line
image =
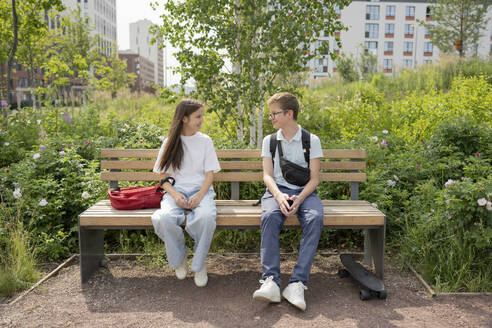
<point x="252" y="127"/>
<point x="13" y="50"/>
<point x="259" y="141"/>
<point x="237" y="70"/>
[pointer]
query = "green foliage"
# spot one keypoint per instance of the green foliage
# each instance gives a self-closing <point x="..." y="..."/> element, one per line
<point x="17" y="260"/>
<point x="208" y="36"/>
<point x="346" y="66"/>
<point x="112" y="75"/>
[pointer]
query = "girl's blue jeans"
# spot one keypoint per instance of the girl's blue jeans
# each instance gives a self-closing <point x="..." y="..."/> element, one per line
<point x="200" y="225"/>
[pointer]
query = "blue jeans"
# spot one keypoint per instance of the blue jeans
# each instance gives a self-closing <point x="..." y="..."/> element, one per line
<point x="310" y="215"/>
<point x="200" y="225"/>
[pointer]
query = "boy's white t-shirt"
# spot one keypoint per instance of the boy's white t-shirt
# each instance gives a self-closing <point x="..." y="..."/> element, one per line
<point x="199" y="157"/>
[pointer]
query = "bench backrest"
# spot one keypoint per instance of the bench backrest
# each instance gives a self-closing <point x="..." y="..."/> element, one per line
<point x="238" y="165"/>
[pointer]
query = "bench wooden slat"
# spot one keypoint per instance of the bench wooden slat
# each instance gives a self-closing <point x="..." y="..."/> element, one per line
<point x="228" y="153"/>
<point x="237" y="213"/>
<point x="227" y="165"/>
<point x="226" y="176"/>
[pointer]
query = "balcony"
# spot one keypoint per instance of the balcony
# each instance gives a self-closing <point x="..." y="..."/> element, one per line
<point x="429" y="19"/>
<point x="428" y="53"/>
<point x="409" y="18"/>
<point x="407" y="53"/>
<point x="388" y="70"/>
<point x="389" y="35"/>
<point x="390" y="17"/>
<point x="388" y="53"/>
<point x="408" y="36"/>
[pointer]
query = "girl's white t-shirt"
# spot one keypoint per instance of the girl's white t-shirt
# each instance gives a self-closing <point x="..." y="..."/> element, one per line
<point x="199" y="157"/>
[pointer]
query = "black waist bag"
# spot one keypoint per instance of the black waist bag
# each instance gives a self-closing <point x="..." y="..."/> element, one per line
<point x="293" y="173"/>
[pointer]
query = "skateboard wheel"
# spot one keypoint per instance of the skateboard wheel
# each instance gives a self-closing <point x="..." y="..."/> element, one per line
<point x="382" y="295"/>
<point x="342" y="273"/>
<point x="365" y="295"/>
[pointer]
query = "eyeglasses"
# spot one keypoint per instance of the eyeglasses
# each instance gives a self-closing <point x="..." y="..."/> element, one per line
<point x="272" y="115"/>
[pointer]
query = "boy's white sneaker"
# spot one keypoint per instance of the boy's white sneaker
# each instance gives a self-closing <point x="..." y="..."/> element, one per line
<point x="294" y="293"/>
<point x="182" y="270"/>
<point x="201" y="277"/>
<point x="268" y="292"/>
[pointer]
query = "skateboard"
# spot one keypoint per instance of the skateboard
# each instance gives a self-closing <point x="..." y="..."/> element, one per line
<point x="372" y="285"/>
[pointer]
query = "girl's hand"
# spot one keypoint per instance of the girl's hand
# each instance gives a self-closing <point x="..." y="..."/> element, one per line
<point x="181" y="200"/>
<point x="195" y="201"/>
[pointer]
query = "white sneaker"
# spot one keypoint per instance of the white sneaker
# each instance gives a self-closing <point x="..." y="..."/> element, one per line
<point x="201" y="277"/>
<point x="294" y="293"/>
<point x="182" y="270"/>
<point x="268" y="292"/>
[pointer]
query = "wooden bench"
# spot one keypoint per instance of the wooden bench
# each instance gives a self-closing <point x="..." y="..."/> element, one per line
<point x="241" y="165"/>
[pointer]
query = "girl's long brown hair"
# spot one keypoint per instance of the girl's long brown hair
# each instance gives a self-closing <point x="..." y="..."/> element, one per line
<point x="173" y="151"/>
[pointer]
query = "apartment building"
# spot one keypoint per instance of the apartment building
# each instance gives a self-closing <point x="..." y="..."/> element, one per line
<point x="102" y="14"/>
<point x="388" y="29"/>
<point x="140" y="43"/>
<point x="142" y="67"/>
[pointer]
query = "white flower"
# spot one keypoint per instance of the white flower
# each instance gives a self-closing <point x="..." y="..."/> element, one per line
<point x="6" y="143"/>
<point x="449" y="183"/>
<point x="36" y="156"/>
<point x="374" y="205"/>
<point x="391" y="183"/>
<point x="43" y="202"/>
<point x="162" y="138"/>
<point x="38" y="121"/>
<point x="28" y="121"/>
<point x="17" y="193"/>
<point x="489" y="206"/>
<point x="62" y="153"/>
<point x="448" y="201"/>
<point x="15" y="184"/>
<point x="482" y="202"/>
<point x="374" y="138"/>
<point x="396" y="178"/>
<point x="385" y="131"/>
<point x="85" y="195"/>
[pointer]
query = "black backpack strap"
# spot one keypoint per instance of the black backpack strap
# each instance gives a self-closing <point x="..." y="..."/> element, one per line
<point x="273" y="145"/>
<point x="306" y="145"/>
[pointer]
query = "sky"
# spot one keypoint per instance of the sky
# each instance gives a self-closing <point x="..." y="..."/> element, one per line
<point x="129" y="11"/>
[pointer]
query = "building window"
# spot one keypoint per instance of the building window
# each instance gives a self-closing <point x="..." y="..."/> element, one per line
<point x="390" y="12"/>
<point x="426" y="34"/>
<point x="389" y="29"/>
<point x="86" y="4"/>
<point x="388" y="64"/>
<point x="409" y="29"/>
<point x="338" y="11"/>
<point x="428" y="61"/>
<point x="372" y="12"/>
<point x="428" y="13"/>
<point x="407" y="63"/>
<point x="388" y="47"/>
<point x="409" y="12"/>
<point x="372" y="31"/>
<point x="371" y="46"/>
<point x="407" y="47"/>
<point x="428" y="48"/>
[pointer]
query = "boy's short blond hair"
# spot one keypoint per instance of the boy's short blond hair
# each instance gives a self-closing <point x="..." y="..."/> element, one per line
<point x="286" y="101"/>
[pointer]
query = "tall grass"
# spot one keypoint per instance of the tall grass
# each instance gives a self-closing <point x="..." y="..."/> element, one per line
<point x="17" y="259"/>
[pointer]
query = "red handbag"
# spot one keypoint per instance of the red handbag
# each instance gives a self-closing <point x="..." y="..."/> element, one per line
<point x="134" y="198"/>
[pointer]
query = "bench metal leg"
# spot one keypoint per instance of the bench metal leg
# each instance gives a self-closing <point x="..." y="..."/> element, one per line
<point x="91" y="247"/>
<point x="376" y="241"/>
<point x="367" y="249"/>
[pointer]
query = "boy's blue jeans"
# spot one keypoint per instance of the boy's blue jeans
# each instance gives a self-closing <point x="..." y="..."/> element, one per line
<point x="310" y="215"/>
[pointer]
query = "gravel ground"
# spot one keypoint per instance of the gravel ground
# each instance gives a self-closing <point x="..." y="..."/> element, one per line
<point x="131" y="293"/>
